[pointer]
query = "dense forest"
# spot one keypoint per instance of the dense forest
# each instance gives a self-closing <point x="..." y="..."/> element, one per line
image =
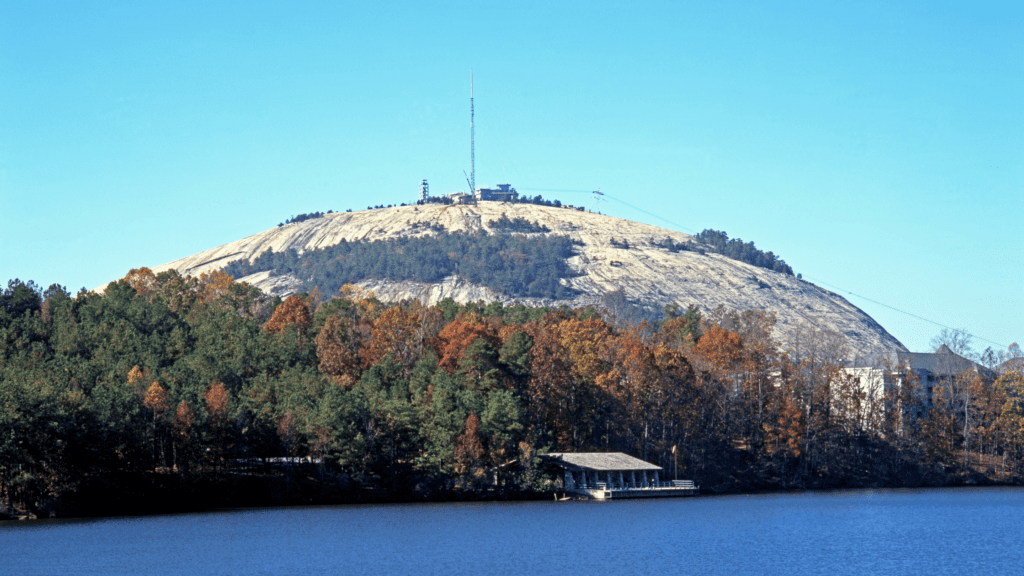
<point x="517" y="225"/>
<point x="171" y="392"/>
<point x="512" y="264"/>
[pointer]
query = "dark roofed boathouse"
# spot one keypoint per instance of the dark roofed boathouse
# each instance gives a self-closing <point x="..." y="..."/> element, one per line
<point x="605" y="475"/>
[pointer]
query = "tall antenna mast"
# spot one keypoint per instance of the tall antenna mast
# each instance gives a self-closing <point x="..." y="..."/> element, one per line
<point x="472" y="137"/>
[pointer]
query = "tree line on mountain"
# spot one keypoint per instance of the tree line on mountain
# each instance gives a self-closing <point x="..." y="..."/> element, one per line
<point x="435" y="200"/>
<point x="171" y="391"/>
<point x="719" y="243"/>
<point x="380" y="206"/>
<point x="537" y="200"/>
<point x="716" y="241"/>
<point x="304" y="217"/>
<point x="512" y="264"/>
<point x="517" y="225"/>
<point x="311" y="215"/>
<point x="735" y="248"/>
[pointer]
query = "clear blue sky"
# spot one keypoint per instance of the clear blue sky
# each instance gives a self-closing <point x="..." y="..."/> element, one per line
<point x="877" y="147"/>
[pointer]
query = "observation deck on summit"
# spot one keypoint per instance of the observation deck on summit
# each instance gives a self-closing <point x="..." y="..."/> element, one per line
<point x="503" y="193"/>
<point x="611" y="475"/>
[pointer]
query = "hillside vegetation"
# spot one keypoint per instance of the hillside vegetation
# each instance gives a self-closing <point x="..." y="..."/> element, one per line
<point x="737" y="249"/>
<point x="497" y="251"/>
<point x="512" y="264"/>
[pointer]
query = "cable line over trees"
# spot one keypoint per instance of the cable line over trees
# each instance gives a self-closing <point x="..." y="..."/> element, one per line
<point x="746" y="252"/>
<point x="895" y="309"/>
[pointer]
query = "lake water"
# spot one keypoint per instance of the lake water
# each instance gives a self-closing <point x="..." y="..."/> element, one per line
<point x="947" y="531"/>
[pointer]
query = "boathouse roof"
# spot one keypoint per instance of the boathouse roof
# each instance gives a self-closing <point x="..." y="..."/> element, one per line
<point x="598" y="461"/>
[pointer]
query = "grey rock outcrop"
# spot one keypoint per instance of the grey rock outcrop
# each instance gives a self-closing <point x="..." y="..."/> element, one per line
<point x="645" y="271"/>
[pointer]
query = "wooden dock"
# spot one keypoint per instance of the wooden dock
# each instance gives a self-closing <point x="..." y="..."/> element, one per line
<point x="677" y="488"/>
<point x="614" y="475"/>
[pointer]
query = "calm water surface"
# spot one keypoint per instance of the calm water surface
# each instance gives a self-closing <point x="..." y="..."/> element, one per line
<point x="949" y="531"/>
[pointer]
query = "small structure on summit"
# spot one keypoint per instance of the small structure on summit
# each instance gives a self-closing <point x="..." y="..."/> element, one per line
<point x="503" y="193"/>
<point x="608" y="475"/>
<point x="460" y="198"/>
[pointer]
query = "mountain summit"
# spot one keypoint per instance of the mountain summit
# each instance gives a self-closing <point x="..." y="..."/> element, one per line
<point x="651" y="266"/>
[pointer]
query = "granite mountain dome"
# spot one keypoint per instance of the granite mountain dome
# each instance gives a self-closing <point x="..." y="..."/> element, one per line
<point x="608" y="254"/>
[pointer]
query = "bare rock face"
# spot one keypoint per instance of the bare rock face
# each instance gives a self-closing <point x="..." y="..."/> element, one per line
<point x="645" y="271"/>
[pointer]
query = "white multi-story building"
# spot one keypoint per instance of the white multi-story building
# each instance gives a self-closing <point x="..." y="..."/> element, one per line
<point x="928" y="371"/>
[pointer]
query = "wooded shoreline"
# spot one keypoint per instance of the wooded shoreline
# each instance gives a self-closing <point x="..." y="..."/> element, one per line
<point x="208" y="495"/>
<point x="146" y="399"/>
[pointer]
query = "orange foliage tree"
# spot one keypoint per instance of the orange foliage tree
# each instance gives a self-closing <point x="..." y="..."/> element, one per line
<point x="143" y="281"/>
<point x="294" y="313"/>
<point x="338" y="347"/>
<point x="457" y="336"/>
<point x="468" y="447"/>
<point x="217" y="400"/>
<point x="638" y="387"/>
<point x="182" y="425"/>
<point x="213" y="285"/>
<point x="396" y="332"/>
<point x="156" y="400"/>
<point x="562" y="397"/>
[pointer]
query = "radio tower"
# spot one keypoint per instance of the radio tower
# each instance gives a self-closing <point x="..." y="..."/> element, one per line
<point x="472" y="136"/>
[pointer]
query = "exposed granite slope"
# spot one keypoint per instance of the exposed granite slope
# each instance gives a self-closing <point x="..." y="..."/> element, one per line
<point x="645" y="271"/>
